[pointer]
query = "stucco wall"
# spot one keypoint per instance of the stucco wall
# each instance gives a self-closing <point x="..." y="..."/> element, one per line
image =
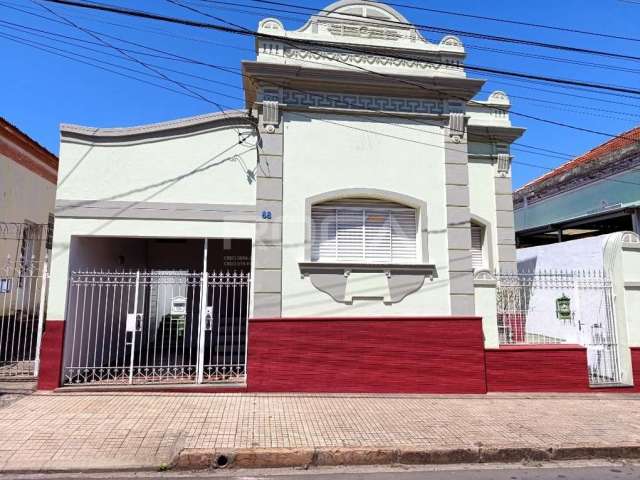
<point x="482" y="204"/>
<point x="196" y="168"/>
<point x="333" y="152"/>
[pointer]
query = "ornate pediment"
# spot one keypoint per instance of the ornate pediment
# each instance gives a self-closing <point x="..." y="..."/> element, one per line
<point x="361" y="24"/>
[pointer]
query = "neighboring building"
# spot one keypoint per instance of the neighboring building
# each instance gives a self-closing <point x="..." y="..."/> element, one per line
<point x="593" y="194"/>
<point x="360" y="203"/>
<point x="28" y="175"/>
<point x="27" y="194"/>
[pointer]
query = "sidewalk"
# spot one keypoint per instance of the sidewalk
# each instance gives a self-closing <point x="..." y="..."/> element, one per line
<point x="74" y="431"/>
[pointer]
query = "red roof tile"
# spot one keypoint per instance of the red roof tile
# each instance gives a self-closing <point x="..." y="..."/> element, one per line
<point x="621" y="141"/>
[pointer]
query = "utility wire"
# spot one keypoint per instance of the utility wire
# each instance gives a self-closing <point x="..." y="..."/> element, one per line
<point x="493" y="19"/>
<point x="347" y="104"/>
<point x="447" y="31"/>
<point x="132" y="58"/>
<point x="253" y="51"/>
<point x="607" y="67"/>
<point x="543" y="167"/>
<point x="247" y="32"/>
<point x="260" y="13"/>
<point x="360" y="129"/>
<point x="545" y="120"/>
<point x="397" y="79"/>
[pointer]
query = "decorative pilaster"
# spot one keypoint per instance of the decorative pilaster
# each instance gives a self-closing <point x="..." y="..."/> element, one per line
<point x="504" y="215"/>
<point x="461" y="290"/>
<point x="267" y="286"/>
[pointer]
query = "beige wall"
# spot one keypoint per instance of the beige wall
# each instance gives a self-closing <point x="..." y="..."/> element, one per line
<point x="24" y="196"/>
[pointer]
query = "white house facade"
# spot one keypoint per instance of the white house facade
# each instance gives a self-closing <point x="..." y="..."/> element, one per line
<point x="352" y="210"/>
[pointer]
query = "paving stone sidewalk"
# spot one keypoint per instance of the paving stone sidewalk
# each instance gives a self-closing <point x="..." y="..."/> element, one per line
<point x="61" y="431"/>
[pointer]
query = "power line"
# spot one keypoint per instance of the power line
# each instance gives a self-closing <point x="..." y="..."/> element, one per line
<point x="12" y="25"/>
<point x="261" y="13"/>
<point x="244" y="31"/>
<point x="247" y="32"/>
<point x="47" y="49"/>
<point x="201" y="40"/>
<point x="401" y="80"/>
<point x="130" y="57"/>
<point x="348" y="104"/>
<point x="493" y="19"/>
<point x="529" y="147"/>
<point x="388" y="135"/>
<point x="446" y="31"/>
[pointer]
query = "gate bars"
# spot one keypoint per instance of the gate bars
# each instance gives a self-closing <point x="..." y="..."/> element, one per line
<point x="158" y="326"/>
<point x="555" y="307"/>
<point x="23" y="290"/>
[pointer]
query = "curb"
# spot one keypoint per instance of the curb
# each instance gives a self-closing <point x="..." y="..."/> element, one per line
<point x="197" y="459"/>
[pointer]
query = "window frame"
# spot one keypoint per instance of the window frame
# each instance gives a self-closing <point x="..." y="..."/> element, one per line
<point x="486" y="243"/>
<point x="364" y="210"/>
<point x="419" y="206"/>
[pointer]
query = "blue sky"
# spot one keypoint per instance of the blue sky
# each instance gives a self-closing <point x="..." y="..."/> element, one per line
<point x="40" y="91"/>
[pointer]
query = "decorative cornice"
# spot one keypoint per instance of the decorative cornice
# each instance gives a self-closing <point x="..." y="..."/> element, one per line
<point x="376" y="103"/>
<point x="443" y="63"/>
<point x="484" y="133"/>
<point x="276" y="75"/>
<point x="152" y="131"/>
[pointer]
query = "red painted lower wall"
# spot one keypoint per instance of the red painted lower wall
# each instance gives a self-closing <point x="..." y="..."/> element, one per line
<point x="366" y="355"/>
<point x="537" y="368"/>
<point x="51" y="355"/>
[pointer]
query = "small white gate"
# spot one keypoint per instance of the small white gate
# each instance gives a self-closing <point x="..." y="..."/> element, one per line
<point x="553" y="307"/>
<point x="23" y="289"/>
<point x="158" y="326"/>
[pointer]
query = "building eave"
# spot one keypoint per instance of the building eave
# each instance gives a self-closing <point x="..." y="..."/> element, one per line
<point x="349" y="81"/>
<point x="491" y="133"/>
<point x="182" y="126"/>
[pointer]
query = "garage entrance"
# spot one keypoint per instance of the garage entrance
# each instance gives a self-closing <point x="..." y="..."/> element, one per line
<point x="157" y="318"/>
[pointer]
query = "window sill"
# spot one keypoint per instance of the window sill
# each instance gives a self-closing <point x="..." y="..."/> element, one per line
<point x="392" y="284"/>
<point x="347" y="268"/>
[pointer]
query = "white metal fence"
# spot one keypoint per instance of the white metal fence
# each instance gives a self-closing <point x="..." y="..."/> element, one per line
<point x="554" y="307"/>
<point x="23" y="287"/>
<point x="149" y="327"/>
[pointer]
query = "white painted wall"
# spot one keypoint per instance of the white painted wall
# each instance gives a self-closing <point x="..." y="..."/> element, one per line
<point x="197" y="168"/>
<point x="482" y="204"/>
<point x="331" y="152"/>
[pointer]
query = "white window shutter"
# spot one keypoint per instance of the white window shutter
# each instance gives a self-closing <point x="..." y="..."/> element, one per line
<point x="404" y="234"/>
<point x="378" y="235"/>
<point x="477" y="259"/>
<point x="356" y="230"/>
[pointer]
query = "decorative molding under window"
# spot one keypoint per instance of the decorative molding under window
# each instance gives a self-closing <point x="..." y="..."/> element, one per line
<point x="333" y="278"/>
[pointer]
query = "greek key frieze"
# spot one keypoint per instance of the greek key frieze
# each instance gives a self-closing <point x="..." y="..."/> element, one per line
<point x="363" y="102"/>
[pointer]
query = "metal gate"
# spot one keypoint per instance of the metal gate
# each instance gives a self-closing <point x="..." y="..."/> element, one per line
<point x="156" y="326"/>
<point x="553" y="307"/>
<point x="23" y="287"/>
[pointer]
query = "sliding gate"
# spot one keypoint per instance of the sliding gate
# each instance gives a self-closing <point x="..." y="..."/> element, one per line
<point x="150" y="327"/>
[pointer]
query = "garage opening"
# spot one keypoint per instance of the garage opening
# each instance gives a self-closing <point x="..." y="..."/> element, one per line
<point x="157" y="310"/>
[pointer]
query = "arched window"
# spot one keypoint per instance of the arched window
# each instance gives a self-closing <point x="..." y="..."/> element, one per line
<point x="363" y="230"/>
